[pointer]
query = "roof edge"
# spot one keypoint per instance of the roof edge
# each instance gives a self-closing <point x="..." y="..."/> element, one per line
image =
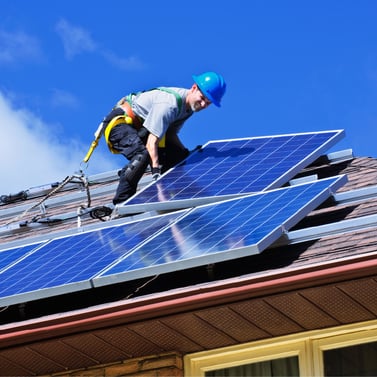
<point x="183" y="300"/>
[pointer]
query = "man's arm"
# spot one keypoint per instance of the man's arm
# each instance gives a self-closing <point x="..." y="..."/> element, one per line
<point x="152" y="148"/>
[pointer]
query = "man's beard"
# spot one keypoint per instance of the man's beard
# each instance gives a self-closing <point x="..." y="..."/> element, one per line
<point x="196" y="107"/>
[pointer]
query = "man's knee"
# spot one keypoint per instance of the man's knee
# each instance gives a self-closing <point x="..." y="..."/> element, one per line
<point x="136" y="168"/>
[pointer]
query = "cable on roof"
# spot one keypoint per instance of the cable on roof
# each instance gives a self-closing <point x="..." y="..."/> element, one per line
<point x="101" y="213"/>
<point x="142" y="286"/>
<point x="69" y="179"/>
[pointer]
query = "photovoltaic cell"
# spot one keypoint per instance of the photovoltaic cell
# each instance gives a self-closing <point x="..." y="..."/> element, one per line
<point x="10" y="256"/>
<point x="222" y="231"/>
<point x="67" y="264"/>
<point x="238" y="166"/>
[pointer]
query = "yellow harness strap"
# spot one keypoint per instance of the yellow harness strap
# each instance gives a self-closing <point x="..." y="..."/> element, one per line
<point x="128" y="118"/>
<point x="123" y="119"/>
<point x="114" y="122"/>
<point x="162" y="142"/>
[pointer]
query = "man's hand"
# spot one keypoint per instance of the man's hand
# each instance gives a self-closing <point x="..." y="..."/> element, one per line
<point x="156" y="173"/>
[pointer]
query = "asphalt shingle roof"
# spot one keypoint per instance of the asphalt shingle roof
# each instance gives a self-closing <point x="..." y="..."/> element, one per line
<point x="291" y="287"/>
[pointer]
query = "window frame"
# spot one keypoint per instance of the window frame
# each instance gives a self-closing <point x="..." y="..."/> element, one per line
<point x="339" y="341"/>
<point x="308" y="346"/>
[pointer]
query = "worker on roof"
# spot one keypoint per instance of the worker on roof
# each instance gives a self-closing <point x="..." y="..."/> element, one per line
<point x="144" y="127"/>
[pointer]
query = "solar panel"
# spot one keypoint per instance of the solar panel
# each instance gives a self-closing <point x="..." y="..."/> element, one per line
<point x="233" y="167"/>
<point x="206" y="234"/>
<point x="10" y="256"/>
<point x="67" y="264"/>
<point x="222" y="231"/>
<point x="178" y="240"/>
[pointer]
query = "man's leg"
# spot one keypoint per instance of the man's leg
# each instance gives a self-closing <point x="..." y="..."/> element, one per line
<point x="125" y="139"/>
<point x="130" y="176"/>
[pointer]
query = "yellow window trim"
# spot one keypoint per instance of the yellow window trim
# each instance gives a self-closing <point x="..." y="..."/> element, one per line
<point x="339" y="341"/>
<point x="308" y="346"/>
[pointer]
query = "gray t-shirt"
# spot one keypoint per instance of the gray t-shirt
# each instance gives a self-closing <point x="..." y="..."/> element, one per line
<point x="160" y="110"/>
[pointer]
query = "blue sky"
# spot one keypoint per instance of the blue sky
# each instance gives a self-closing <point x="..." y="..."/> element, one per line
<point x="290" y="66"/>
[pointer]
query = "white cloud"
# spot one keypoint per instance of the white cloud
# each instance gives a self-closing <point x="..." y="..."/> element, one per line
<point x="18" y="46"/>
<point x="75" y="39"/>
<point x="131" y="63"/>
<point x="32" y="155"/>
<point x="61" y="98"/>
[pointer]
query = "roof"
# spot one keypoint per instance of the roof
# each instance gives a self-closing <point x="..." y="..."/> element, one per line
<point x="302" y="282"/>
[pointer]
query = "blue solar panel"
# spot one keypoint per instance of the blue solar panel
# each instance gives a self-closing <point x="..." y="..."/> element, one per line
<point x="67" y="264"/>
<point x="10" y="256"/>
<point x="222" y="231"/>
<point x="203" y="235"/>
<point x="239" y="166"/>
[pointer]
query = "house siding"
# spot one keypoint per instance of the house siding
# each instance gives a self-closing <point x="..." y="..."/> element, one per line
<point x="164" y="365"/>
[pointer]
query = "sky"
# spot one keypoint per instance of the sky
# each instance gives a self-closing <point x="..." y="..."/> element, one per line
<point x="290" y="66"/>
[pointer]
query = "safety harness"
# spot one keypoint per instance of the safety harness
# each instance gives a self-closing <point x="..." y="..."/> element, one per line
<point x="129" y="117"/>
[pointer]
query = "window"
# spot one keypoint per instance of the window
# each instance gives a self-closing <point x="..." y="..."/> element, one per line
<point x="283" y="367"/>
<point x="343" y="351"/>
<point x="347" y="353"/>
<point x="359" y="360"/>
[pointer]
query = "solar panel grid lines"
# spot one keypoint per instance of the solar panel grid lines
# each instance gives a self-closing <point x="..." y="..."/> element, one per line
<point x="13" y="255"/>
<point x="233" y="156"/>
<point x="68" y="263"/>
<point x="222" y="231"/>
<point x="195" y="225"/>
<point x="283" y="148"/>
<point x="276" y="202"/>
<point x="237" y="166"/>
<point x="225" y="177"/>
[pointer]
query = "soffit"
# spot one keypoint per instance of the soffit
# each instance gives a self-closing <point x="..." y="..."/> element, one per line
<point x="200" y="329"/>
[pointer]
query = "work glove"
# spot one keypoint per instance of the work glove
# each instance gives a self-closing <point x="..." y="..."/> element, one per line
<point x="156" y="173"/>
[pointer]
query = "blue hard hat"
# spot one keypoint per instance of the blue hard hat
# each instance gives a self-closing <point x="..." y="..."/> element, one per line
<point x="212" y="85"/>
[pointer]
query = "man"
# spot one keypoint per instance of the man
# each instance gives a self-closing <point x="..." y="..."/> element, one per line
<point x="144" y="127"/>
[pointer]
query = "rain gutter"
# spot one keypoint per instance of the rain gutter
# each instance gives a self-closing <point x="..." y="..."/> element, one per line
<point x="185" y="300"/>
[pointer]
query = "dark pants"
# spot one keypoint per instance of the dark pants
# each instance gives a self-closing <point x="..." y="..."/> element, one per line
<point x="127" y="141"/>
<point x="131" y="143"/>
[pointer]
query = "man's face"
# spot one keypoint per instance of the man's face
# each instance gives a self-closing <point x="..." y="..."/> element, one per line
<point x="198" y="101"/>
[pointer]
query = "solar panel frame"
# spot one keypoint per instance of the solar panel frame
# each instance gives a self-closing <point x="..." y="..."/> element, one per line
<point x="149" y="198"/>
<point x="117" y="272"/>
<point x="59" y="267"/>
